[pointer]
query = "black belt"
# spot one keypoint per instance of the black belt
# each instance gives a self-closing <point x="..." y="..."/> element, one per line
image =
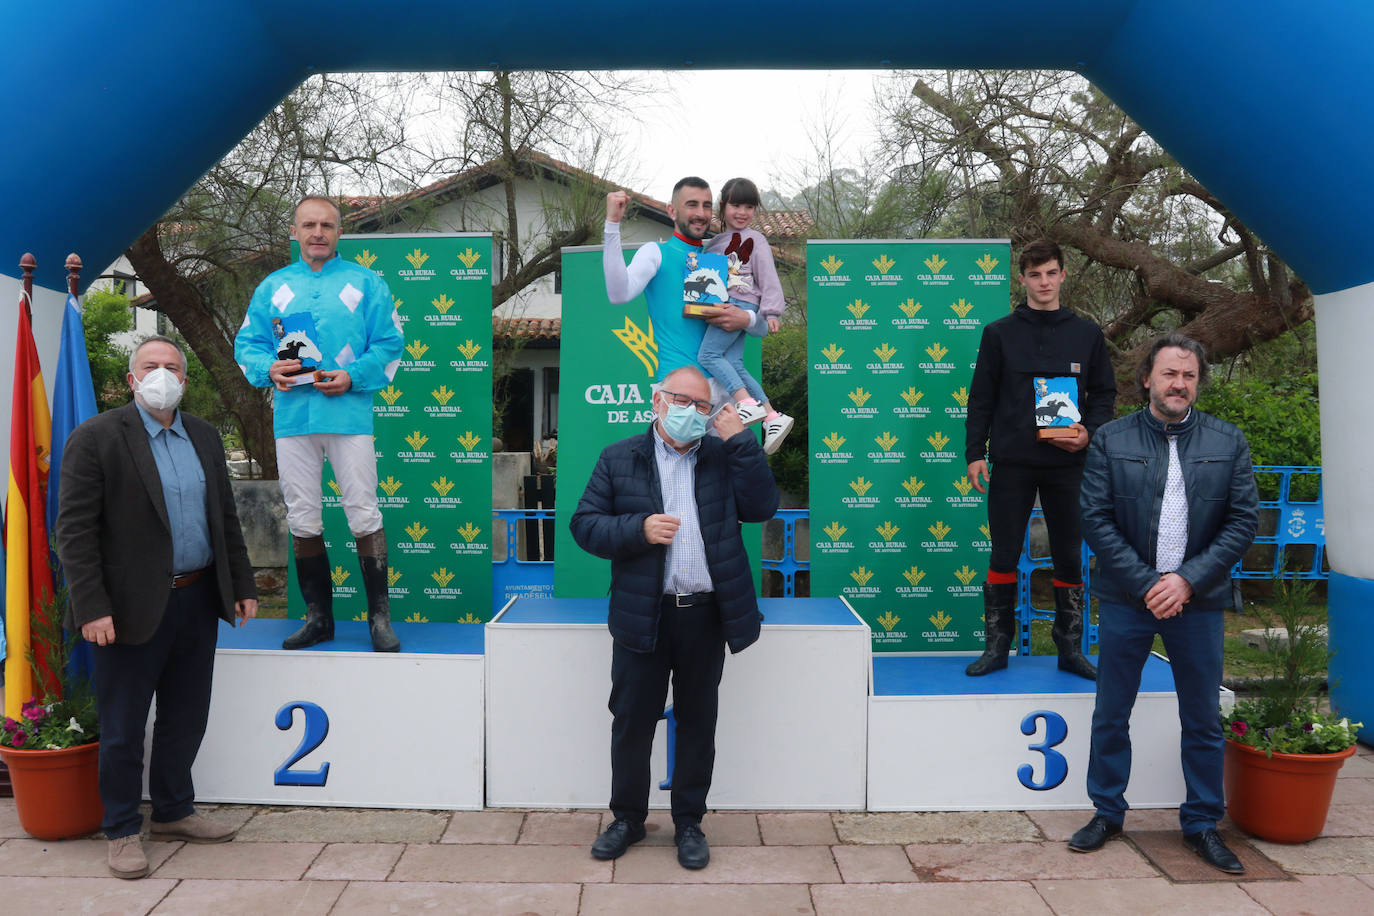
<point x="189" y="578"/>
<point x="691" y="600"/>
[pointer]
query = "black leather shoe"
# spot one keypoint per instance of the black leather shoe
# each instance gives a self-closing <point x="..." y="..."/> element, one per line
<point x="1094" y="836"/>
<point x="617" y="838"/>
<point x="1213" y="851"/>
<point x="692" y="849"/>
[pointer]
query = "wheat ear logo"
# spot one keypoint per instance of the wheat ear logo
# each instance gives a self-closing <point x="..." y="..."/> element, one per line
<point x="940" y="619"/>
<point x="912" y="396"/>
<point x="835" y="531"/>
<point x="914" y="575"/>
<point x="938" y="440"/>
<point x="860" y="485"/>
<point x="861" y="575"/>
<point x="416" y="531"/>
<point x="986" y="263"/>
<point x="935" y="263"/>
<point x="887" y="531"/>
<point x="886" y="441"/>
<point x="339" y="575"/>
<point x="888" y="621"/>
<point x="397" y="303"/>
<point x="832" y="352"/>
<point x="960" y="396"/>
<point x="417" y="349"/>
<point x="939" y="529"/>
<point x="469" y="532"/>
<point x="964" y="574"/>
<point x="417" y="440"/>
<point x="442" y="485"/>
<point x="393" y="576"/>
<point x="391" y="394"/>
<point x="987" y="532"/>
<point x="390" y="485"/>
<point x="913" y="485"/>
<point x="961" y="308"/>
<point x="883" y="263"/>
<point x="859" y="396"/>
<point x="443" y="304"/>
<point x="417" y="258"/>
<point x="936" y="351"/>
<point x="469" y="440"/>
<point x="963" y="485"/>
<point x="443" y="394"/>
<point x="833" y="441"/>
<point x="857" y="308"/>
<point x="416" y="617"/>
<point x="885" y="352"/>
<point x="470" y="257"/>
<point x="442" y="576"/>
<point x="469" y="349"/>
<point x="469" y="617"/>
<point x="832" y="264"/>
<point x="366" y="258"/>
<point x="334" y="485"/>
<point x="640" y="344"/>
<point x="909" y="307"/>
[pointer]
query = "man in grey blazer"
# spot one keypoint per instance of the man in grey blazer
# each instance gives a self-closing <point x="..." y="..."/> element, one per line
<point x="150" y="543"/>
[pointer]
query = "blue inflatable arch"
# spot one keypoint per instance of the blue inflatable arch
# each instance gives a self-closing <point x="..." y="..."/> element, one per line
<point x="113" y="109"/>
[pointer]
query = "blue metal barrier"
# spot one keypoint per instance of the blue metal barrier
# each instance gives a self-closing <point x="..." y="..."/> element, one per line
<point x="788" y="566"/>
<point x="514" y="577"/>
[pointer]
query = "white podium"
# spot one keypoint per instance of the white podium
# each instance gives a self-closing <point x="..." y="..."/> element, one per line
<point x="793" y="709"/>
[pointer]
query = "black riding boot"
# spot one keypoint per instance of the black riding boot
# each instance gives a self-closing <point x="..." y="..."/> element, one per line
<point x="1068" y="631"/>
<point x="999" y="623"/>
<point x="372" y="558"/>
<point x="312" y="575"/>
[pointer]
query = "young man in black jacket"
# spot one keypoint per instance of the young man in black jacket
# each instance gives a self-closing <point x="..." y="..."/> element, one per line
<point x="1039" y="342"/>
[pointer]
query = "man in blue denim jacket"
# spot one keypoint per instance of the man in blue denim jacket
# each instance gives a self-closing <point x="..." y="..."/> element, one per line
<point x="1169" y="506"/>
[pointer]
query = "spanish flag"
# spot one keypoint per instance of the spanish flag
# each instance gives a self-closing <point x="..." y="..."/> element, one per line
<point x="28" y="571"/>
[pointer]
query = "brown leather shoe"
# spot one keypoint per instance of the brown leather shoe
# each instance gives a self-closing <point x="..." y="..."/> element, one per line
<point x="192" y="829"/>
<point x="125" y="857"/>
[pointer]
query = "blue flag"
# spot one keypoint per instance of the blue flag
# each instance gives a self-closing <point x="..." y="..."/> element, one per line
<point x="73" y="402"/>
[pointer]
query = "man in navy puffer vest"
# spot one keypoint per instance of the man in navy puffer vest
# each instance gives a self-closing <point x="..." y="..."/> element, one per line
<point x="665" y="508"/>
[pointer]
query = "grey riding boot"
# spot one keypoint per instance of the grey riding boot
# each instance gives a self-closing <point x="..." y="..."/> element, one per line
<point x="999" y="623"/>
<point x="1069" y="606"/>
<point x="372" y="558"/>
<point x="312" y="575"/>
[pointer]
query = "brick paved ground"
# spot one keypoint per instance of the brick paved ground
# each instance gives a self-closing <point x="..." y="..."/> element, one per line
<point x="319" y="860"/>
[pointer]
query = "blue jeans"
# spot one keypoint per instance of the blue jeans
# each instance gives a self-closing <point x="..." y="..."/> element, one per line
<point x="722" y="356"/>
<point x="1193" y="641"/>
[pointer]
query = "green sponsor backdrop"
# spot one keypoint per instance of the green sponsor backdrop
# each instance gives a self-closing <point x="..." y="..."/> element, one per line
<point x="607" y="366"/>
<point x="433" y="435"/>
<point x="893" y="331"/>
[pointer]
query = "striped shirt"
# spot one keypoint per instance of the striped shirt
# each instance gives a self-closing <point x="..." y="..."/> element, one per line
<point x="684" y="567"/>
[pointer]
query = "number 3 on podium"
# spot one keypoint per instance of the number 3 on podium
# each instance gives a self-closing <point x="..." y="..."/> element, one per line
<point x="1056" y="767"/>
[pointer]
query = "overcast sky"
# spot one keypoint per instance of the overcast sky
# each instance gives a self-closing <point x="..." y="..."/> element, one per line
<point x="763" y="118"/>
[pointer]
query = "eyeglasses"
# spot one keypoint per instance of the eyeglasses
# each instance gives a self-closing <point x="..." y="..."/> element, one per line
<point x="682" y="400"/>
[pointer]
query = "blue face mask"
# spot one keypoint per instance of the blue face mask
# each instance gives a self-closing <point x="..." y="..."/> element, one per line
<point x="684" y="424"/>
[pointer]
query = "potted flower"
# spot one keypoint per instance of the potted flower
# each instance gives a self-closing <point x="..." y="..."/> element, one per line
<point x="1283" y="751"/>
<point x="52" y="750"/>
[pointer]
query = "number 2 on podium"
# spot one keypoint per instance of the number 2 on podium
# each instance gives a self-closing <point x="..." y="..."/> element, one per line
<point x="316" y="730"/>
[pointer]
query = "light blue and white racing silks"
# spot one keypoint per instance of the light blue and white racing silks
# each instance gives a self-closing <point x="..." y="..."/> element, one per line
<point x="357" y="329"/>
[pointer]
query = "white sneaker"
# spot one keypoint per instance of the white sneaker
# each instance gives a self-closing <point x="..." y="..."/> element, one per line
<point x="774" y="431"/>
<point x="750" y="414"/>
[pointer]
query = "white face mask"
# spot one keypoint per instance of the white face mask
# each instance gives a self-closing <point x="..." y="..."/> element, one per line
<point x="160" y="389"/>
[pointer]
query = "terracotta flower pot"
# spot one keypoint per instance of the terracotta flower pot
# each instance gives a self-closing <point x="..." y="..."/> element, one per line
<point x="56" y="793"/>
<point x="1283" y="799"/>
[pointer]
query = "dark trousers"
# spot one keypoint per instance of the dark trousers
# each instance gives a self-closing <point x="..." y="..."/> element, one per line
<point x="1011" y="496"/>
<point x="691" y="647"/>
<point x="1193" y="641"/>
<point x="175" y="666"/>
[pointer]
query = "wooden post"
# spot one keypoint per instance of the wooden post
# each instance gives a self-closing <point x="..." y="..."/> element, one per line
<point x="73" y="273"/>
<point x="27" y="264"/>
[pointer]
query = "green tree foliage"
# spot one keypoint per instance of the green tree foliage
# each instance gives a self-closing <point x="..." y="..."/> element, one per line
<point x="106" y="315"/>
<point x="784" y="378"/>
